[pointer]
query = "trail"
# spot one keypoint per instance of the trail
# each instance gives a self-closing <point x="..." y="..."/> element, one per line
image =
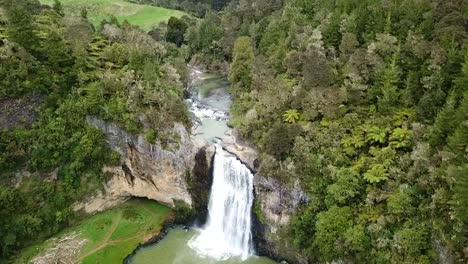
<point x="105" y="242"/>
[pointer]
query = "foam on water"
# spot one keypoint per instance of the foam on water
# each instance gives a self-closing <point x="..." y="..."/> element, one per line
<point x="227" y="232"/>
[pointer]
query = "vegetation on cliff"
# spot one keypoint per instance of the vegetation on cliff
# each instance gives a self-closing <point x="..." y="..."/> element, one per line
<point x="364" y="102"/>
<point x="116" y="72"/>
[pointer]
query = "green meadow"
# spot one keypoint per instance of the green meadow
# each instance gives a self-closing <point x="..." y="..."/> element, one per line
<point x="111" y="235"/>
<point x="144" y="16"/>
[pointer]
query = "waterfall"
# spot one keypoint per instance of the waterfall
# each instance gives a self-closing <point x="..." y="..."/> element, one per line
<point x="227" y="230"/>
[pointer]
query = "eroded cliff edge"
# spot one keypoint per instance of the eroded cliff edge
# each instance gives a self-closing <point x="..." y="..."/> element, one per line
<point x="182" y="173"/>
<point x="176" y="173"/>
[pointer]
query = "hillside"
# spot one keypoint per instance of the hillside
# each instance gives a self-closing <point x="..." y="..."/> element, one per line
<point x="144" y="16"/>
<point x="54" y="72"/>
<point x="362" y="103"/>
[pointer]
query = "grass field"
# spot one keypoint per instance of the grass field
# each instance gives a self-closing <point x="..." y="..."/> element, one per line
<point x="144" y="16"/>
<point x="111" y="235"/>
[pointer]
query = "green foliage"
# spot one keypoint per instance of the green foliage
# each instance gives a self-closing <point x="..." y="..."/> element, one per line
<point x="291" y="116"/>
<point x="150" y="136"/>
<point x="183" y="213"/>
<point x="411" y="241"/>
<point x="375" y="134"/>
<point x="75" y="72"/>
<point x="379" y="120"/>
<point x="400" y="138"/>
<point x="58" y="7"/>
<point x="279" y="140"/>
<point x="400" y="202"/>
<point x="346" y="187"/>
<point x="303" y="227"/>
<point x="257" y="210"/>
<point x="376" y="174"/>
<point x="176" y="29"/>
<point x="20" y="26"/>
<point x="460" y="195"/>
<point x="331" y="228"/>
<point x="204" y="37"/>
<point x="241" y="69"/>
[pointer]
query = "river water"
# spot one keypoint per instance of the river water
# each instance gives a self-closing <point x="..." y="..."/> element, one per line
<point x="226" y="238"/>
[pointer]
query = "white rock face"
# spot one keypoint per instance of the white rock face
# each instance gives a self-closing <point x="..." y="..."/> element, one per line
<point x="147" y="170"/>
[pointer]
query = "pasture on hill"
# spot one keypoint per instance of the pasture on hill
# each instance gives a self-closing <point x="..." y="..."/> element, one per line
<point x="144" y="16"/>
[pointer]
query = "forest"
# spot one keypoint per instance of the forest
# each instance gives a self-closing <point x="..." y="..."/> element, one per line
<point x="364" y="103"/>
<point x="67" y="69"/>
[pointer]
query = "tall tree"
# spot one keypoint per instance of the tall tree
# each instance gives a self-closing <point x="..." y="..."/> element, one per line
<point x="241" y="67"/>
<point x="176" y="29"/>
<point x="20" y="27"/>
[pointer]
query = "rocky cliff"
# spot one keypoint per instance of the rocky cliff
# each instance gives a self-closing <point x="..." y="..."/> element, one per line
<point x="167" y="175"/>
<point x="183" y="173"/>
<point x="275" y="204"/>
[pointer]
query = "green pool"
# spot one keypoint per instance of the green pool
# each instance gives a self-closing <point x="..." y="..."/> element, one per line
<point x="174" y="249"/>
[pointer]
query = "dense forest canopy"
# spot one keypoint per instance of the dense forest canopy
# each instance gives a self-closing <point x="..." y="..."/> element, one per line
<point x="364" y="103"/>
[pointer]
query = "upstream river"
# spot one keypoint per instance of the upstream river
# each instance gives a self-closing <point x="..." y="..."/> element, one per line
<point x="226" y="238"/>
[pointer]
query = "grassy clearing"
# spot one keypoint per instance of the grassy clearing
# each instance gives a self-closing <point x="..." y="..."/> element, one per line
<point x="144" y="16"/>
<point x="114" y="234"/>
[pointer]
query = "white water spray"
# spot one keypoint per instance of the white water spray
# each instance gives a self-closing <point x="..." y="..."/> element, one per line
<point x="227" y="232"/>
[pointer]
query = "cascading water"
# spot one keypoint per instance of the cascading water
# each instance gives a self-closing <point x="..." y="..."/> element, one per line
<point x="227" y="232"/>
<point x="226" y="237"/>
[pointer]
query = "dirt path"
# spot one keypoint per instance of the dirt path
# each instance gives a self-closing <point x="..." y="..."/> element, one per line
<point x="105" y="242"/>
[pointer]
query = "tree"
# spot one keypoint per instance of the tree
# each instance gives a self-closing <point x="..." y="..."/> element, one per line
<point x="21" y="28"/>
<point x="376" y="174"/>
<point x="241" y="68"/>
<point x="204" y="37"/>
<point x="346" y="187"/>
<point x="291" y="116"/>
<point x="176" y="29"/>
<point x="58" y="53"/>
<point x="460" y="198"/>
<point x="444" y="123"/>
<point x="389" y="84"/>
<point x="58" y="8"/>
<point x="331" y="227"/>
<point x="279" y="139"/>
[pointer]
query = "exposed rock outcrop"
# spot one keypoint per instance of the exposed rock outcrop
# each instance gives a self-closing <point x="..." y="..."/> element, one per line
<point x="20" y="112"/>
<point x="236" y="145"/>
<point x="275" y="203"/>
<point x="149" y="170"/>
<point x="200" y="181"/>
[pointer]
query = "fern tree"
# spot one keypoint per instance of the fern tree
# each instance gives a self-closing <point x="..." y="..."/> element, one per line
<point x="291" y="116"/>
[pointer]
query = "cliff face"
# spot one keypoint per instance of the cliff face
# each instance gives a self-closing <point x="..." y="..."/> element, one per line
<point x="183" y="173"/>
<point x="149" y="170"/>
<point x="275" y="204"/>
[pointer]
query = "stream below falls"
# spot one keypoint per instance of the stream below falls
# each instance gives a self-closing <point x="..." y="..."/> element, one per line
<point x="226" y="237"/>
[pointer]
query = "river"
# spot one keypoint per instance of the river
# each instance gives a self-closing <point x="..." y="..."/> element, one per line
<point x="226" y="238"/>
